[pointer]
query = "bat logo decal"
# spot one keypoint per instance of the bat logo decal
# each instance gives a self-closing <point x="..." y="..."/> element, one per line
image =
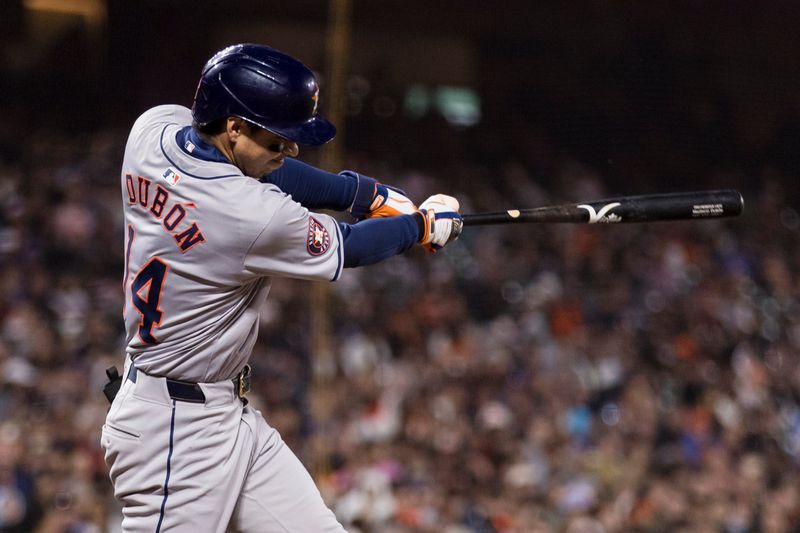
<point x="604" y="215"/>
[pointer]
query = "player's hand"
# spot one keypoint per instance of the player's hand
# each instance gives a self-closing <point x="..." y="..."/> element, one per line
<point x="390" y="202"/>
<point x="373" y="199"/>
<point x="443" y="223"/>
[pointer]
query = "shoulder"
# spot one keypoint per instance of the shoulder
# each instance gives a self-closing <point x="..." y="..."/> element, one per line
<point x="162" y="115"/>
<point x="258" y="205"/>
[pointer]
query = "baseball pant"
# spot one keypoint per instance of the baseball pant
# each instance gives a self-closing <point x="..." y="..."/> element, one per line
<point x="204" y="466"/>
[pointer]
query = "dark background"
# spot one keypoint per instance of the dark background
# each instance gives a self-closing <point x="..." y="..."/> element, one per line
<point x="653" y="95"/>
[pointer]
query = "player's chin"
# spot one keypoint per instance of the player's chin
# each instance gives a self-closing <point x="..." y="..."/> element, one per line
<point x="270" y="166"/>
<point x="275" y="164"/>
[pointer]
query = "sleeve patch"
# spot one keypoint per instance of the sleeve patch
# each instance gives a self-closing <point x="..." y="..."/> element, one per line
<point x="319" y="240"/>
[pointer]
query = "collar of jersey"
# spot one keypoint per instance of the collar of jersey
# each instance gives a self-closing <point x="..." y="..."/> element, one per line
<point x="196" y="160"/>
<point x="190" y="142"/>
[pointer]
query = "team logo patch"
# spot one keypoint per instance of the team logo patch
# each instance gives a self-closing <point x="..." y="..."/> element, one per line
<point x="315" y="99"/>
<point x="318" y="240"/>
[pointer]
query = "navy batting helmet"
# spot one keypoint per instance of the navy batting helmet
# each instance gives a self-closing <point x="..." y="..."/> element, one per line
<point x="263" y="86"/>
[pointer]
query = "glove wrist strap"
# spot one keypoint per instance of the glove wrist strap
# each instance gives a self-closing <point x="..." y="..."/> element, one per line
<point x="423" y="225"/>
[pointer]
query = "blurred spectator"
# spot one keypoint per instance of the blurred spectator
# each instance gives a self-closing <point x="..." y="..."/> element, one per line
<point x="548" y="379"/>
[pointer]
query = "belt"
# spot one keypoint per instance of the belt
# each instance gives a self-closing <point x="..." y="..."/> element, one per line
<point x="186" y="391"/>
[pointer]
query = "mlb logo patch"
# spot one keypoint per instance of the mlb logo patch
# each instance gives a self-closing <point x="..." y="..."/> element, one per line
<point x="171" y="177"/>
<point x="318" y="240"/>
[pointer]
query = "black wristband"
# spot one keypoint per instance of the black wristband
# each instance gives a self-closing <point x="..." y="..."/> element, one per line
<point x="420" y="218"/>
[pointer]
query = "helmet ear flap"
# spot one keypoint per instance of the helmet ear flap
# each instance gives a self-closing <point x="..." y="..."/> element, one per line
<point x="263" y="86"/>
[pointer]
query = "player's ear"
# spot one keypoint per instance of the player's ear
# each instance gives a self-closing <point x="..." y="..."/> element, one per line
<point x="233" y="127"/>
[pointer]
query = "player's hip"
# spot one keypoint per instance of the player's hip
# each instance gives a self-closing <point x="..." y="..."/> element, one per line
<point x="149" y="407"/>
<point x="167" y="446"/>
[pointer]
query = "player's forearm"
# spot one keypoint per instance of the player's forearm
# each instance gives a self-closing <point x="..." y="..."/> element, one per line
<point x="374" y="240"/>
<point x="314" y="188"/>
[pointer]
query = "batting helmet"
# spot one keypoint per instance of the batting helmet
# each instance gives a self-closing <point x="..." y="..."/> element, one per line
<point x="265" y="87"/>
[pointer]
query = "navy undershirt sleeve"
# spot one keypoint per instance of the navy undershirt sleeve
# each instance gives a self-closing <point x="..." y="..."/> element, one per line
<point x="376" y="239"/>
<point x="366" y="242"/>
<point x="314" y="188"/>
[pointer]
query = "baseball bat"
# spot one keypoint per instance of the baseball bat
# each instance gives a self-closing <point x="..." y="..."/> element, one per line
<point x="638" y="208"/>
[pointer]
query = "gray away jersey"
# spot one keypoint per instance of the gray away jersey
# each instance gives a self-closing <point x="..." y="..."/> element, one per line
<point x="202" y="242"/>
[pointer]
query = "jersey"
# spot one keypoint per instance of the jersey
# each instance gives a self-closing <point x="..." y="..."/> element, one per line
<point x="202" y="242"/>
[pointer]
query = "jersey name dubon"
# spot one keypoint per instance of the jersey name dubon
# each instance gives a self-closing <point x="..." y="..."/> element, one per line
<point x="171" y="215"/>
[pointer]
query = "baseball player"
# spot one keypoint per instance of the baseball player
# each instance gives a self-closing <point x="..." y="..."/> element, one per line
<point x="215" y="206"/>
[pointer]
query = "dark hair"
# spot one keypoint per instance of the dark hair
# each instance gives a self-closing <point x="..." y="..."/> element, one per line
<point x="212" y="128"/>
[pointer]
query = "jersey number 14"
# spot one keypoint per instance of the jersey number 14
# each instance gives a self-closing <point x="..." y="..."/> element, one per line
<point x="146" y="292"/>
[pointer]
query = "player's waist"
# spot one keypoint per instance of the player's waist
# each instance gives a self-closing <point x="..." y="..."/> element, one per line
<point x="186" y="391"/>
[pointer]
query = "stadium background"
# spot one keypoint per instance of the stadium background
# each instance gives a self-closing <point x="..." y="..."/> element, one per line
<point x="527" y="379"/>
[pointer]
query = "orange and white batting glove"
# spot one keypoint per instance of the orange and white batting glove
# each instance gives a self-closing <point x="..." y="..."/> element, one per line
<point x="443" y="223"/>
<point x="390" y="202"/>
<point x="376" y="200"/>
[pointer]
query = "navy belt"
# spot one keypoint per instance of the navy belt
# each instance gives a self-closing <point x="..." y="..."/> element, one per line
<point x="185" y="391"/>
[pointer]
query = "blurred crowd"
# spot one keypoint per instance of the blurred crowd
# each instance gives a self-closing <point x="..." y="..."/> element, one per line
<point x="537" y="379"/>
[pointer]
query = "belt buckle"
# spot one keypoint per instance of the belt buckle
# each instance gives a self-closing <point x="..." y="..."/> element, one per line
<point x="244" y="381"/>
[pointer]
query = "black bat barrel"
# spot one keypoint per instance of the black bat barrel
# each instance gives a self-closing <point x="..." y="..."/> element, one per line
<point x="626" y="209"/>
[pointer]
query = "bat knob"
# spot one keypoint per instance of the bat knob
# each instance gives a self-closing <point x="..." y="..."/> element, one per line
<point x="458" y="226"/>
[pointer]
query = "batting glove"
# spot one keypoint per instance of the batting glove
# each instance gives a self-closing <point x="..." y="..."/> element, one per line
<point x="443" y="224"/>
<point x="390" y="202"/>
<point x="376" y="200"/>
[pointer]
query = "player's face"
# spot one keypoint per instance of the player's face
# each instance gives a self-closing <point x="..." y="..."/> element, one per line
<point x="258" y="152"/>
